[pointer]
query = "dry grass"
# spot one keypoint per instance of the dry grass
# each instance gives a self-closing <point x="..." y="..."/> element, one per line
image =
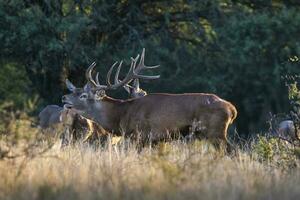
<point x="170" y="171"/>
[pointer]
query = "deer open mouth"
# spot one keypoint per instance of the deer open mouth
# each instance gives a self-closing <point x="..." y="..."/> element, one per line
<point x="68" y="105"/>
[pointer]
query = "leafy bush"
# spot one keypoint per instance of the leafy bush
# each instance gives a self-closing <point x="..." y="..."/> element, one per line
<point x="276" y="152"/>
<point x="294" y="96"/>
<point x="15" y="85"/>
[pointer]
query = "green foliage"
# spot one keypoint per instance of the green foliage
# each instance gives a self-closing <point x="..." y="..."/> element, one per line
<point x="276" y="152"/>
<point x="236" y="49"/>
<point x="14" y="85"/>
<point x="294" y="97"/>
<point x="294" y="92"/>
<point x="15" y="95"/>
<point x="264" y="148"/>
<point x="255" y="46"/>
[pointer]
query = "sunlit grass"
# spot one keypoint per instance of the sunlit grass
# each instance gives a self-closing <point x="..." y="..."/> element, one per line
<point x="176" y="170"/>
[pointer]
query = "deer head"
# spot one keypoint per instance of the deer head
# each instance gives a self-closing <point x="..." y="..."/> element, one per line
<point x="134" y="90"/>
<point x="93" y="92"/>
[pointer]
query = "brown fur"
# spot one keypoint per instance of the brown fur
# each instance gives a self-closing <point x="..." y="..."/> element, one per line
<point x="159" y="114"/>
<point x="53" y="119"/>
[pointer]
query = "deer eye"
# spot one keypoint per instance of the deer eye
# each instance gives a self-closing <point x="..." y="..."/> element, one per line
<point x="83" y="96"/>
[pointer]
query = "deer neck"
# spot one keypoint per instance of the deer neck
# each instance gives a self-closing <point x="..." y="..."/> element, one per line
<point x="107" y="112"/>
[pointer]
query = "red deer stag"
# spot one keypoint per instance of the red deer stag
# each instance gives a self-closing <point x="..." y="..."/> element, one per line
<point x="53" y="117"/>
<point x="154" y="117"/>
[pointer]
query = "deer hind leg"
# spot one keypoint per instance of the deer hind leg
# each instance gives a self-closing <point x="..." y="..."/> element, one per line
<point x="217" y="133"/>
<point x="138" y="138"/>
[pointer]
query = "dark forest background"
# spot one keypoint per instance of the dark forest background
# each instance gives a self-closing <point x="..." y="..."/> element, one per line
<point x="241" y="50"/>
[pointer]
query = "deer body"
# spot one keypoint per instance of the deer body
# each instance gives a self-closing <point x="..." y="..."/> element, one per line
<point x="161" y="114"/>
<point x="50" y="115"/>
<point x="171" y="112"/>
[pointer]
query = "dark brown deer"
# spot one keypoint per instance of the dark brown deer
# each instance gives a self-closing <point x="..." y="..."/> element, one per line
<point x="154" y="117"/>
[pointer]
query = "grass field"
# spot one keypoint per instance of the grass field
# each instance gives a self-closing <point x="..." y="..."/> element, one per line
<point x="177" y="170"/>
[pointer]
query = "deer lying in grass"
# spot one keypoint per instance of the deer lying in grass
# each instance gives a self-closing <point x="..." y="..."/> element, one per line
<point x="154" y="117"/>
<point x="53" y="117"/>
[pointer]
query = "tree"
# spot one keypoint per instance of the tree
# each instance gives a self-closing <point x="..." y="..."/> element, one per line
<point x="236" y="49"/>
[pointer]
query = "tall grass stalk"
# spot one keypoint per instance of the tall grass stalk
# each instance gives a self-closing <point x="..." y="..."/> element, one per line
<point x="176" y="170"/>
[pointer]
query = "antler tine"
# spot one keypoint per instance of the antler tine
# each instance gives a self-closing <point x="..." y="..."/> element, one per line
<point x="118" y="72"/>
<point x="97" y="78"/>
<point x="109" y="73"/>
<point x="136" y="81"/>
<point x="142" y="62"/>
<point x="132" y="66"/>
<point x="98" y="82"/>
<point x="95" y="83"/>
<point x="116" y="80"/>
<point x="141" y="66"/>
<point x="132" y="74"/>
<point x="133" y="61"/>
<point x="88" y="74"/>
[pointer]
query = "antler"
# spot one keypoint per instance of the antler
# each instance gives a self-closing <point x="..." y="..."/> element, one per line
<point x="116" y="80"/>
<point x="133" y="72"/>
<point x="136" y="84"/>
<point x="117" y="73"/>
<point x="88" y="76"/>
<point x="126" y="86"/>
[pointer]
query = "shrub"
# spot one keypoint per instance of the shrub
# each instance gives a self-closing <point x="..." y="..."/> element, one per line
<point x="294" y="97"/>
<point x="276" y="152"/>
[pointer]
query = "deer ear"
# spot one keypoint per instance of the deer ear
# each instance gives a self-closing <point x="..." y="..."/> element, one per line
<point x="87" y="88"/>
<point x="127" y="88"/>
<point x="70" y="85"/>
<point x="136" y="84"/>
